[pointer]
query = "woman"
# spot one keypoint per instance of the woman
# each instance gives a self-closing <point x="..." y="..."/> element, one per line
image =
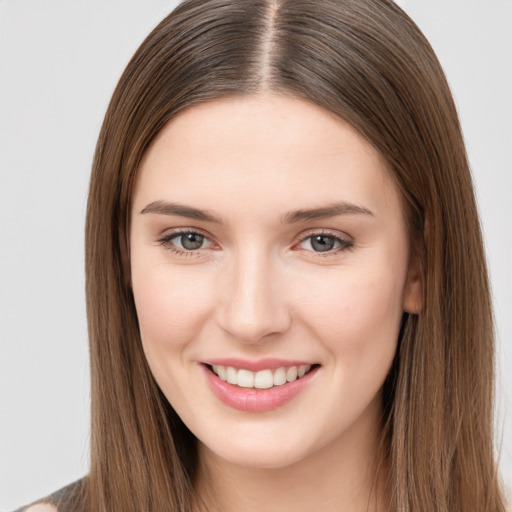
<point x="287" y="297"/>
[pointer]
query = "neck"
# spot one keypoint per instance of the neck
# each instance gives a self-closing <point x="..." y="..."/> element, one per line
<point x="345" y="475"/>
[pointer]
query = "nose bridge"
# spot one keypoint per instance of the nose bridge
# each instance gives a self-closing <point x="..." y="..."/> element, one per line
<point x="253" y="304"/>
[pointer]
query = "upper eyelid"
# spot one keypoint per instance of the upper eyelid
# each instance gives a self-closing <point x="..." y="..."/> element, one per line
<point x="327" y="232"/>
<point x="168" y="233"/>
<point x="303" y="236"/>
<point x="344" y="238"/>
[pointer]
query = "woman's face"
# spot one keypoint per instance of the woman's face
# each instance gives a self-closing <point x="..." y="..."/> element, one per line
<point x="267" y="240"/>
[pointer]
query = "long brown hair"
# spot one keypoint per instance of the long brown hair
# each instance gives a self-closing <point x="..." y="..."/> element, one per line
<point x="367" y="62"/>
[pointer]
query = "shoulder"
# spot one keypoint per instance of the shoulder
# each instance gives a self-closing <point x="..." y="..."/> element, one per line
<point x="66" y="499"/>
<point x="42" y="507"/>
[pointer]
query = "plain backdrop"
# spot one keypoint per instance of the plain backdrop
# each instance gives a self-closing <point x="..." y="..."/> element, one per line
<point x="59" y="63"/>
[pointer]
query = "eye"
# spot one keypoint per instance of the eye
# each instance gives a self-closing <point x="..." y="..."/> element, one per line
<point x="325" y="243"/>
<point x="185" y="241"/>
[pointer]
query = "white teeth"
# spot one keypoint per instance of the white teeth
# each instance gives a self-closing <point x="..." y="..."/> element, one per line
<point x="279" y="377"/>
<point x="245" y="378"/>
<point x="263" y="379"/>
<point x="221" y="372"/>
<point x="303" y="369"/>
<point x="231" y="375"/>
<point x="291" y="374"/>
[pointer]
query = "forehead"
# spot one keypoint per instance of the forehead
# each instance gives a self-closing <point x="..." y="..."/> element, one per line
<point x="270" y="151"/>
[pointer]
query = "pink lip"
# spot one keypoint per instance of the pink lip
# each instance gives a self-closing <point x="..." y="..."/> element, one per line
<point x="255" y="366"/>
<point x="256" y="400"/>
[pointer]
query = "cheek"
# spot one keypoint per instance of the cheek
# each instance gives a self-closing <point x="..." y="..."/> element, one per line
<point x="357" y="315"/>
<point x="172" y="305"/>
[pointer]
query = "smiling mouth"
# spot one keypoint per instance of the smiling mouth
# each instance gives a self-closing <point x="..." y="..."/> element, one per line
<point x="264" y="379"/>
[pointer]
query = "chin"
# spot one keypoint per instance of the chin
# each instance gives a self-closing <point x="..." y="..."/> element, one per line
<point x="258" y="457"/>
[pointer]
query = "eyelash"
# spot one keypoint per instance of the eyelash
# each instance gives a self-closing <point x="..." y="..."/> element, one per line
<point x="344" y="243"/>
<point x="165" y="241"/>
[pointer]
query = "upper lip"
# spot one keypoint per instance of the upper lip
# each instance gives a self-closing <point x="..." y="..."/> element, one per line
<point x="256" y="365"/>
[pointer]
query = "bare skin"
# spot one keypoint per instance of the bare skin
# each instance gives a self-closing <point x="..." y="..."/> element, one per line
<point x="342" y="485"/>
<point x="42" y="507"/>
<point x="263" y="280"/>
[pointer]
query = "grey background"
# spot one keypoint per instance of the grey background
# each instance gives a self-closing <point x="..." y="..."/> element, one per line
<point x="59" y="63"/>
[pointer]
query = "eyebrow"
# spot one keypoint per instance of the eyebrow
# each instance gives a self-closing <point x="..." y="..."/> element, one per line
<point x="332" y="210"/>
<point x="181" y="210"/>
<point x="342" y="208"/>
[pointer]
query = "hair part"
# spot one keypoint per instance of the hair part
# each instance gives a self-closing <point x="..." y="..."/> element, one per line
<point x="368" y="63"/>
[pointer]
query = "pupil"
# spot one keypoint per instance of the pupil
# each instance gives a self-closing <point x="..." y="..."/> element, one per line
<point x="192" y="241"/>
<point x="322" y="243"/>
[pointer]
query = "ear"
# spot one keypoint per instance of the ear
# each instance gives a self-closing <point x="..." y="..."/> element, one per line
<point x="413" y="292"/>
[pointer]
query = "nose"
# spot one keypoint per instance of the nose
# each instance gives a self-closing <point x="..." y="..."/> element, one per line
<point x="252" y="304"/>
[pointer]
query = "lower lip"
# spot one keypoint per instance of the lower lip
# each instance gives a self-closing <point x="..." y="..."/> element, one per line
<point x="256" y="400"/>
